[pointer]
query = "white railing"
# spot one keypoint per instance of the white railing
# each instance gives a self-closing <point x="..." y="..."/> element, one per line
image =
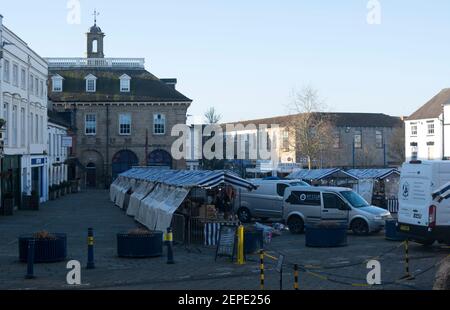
<point x="96" y="62"/>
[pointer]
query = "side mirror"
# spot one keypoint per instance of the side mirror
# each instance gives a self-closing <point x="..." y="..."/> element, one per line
<point x="345" y="207"/>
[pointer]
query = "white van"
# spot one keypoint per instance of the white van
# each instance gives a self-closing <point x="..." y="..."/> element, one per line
<point x="421" y="218"/>
<point x="266" y="201"/>
<point x="315" y="204"/>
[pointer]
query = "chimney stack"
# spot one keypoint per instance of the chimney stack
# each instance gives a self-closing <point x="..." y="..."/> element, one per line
<point x="170" y="82"/>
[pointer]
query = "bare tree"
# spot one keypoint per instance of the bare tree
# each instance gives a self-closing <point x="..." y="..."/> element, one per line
<point x="212" y="116"/>
<point x="365" y="157"/>
<point x="312" y="127"/>
<point x="397" y="144"/>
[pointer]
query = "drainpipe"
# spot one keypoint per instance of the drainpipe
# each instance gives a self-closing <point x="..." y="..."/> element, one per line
<point x="443" y="132"/>
<point x="107" y="148"/>
<point x="1" y="96"/>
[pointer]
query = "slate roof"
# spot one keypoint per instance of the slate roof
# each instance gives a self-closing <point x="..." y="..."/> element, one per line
<point x="339" y="120"/>
<point x="433" y="108"/>
<point x="145" y="87"/>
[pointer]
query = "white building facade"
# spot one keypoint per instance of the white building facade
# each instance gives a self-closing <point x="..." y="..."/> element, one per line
<point x="427" y="131"/>
<point x="58" y="153"/>
<point x="23" y="94"/>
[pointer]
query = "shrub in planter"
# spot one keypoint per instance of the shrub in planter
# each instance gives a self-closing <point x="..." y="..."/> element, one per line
<point x="326" y="234"/>
<point x="48" y="248"/>
<point x="140" y="243"/>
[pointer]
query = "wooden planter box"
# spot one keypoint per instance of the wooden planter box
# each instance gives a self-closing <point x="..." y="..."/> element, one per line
<point x="45" y="250"/>
<point x="321" y="235"/>
<point x="140" y="246"/>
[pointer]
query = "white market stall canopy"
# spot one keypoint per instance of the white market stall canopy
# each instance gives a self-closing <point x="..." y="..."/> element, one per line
<point x="158" y="193"/>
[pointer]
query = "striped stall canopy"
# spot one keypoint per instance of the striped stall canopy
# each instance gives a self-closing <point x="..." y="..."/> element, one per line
<point x="188" y="179"/>
<point x="442" y="193"/>
<point x="393" y="205"/>
<point x="318" y="174"/>
<point x="379" y="174"/>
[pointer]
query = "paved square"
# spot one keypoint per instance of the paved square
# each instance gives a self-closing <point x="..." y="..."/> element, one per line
<point x="338" y="268"/>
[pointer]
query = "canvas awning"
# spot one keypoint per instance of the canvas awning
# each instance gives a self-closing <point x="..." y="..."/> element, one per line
<point x="139" y="194"/>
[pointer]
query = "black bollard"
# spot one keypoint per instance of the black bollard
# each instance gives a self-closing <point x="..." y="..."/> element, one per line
<point x="30" y="260"/>
<point x="90" y="263"/>
<point x="169" y="242"/>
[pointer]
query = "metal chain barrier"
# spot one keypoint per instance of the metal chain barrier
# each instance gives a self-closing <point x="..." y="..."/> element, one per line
<point x="318" y="271"/>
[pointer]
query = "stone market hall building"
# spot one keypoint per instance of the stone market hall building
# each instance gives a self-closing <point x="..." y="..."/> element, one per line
<point x="122" y="115"/>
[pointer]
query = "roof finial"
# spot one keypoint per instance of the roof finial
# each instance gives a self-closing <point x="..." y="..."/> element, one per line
<point x="95" y="16"/>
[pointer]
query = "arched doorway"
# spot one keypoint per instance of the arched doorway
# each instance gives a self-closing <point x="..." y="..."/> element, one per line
<point x="159" y="158"/>
<point x="93" y="164"/>
<point x="91" y="175"/>
<point x="123" y="161"/>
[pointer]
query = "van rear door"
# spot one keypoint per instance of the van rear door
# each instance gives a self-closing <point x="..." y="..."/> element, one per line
<point x="415" y="193"/>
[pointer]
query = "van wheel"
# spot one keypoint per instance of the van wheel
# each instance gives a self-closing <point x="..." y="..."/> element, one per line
<point x="360" y="227"/>
<point x="244" y="215"/>
<point x="296" y="225"/>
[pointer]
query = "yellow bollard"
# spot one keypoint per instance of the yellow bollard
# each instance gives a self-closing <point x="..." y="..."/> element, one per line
<point x="408" y="275"/>
<point x="296" y="277"/>
<point x="240" y="247"/>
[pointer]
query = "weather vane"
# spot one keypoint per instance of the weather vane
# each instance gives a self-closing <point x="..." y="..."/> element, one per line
<point x="95" y="16"/>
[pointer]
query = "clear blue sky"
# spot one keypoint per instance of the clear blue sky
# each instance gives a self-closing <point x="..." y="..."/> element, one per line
<point x="245" y="57"/>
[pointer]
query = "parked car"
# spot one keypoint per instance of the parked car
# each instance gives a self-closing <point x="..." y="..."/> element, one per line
<point x="315" y="204"/>
<point x="266" y="201"/>
<point x="421" y="218"/>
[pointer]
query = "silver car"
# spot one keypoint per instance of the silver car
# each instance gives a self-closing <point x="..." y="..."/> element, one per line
<point x="312" y="204"/>
<point x="264" y="202"/>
